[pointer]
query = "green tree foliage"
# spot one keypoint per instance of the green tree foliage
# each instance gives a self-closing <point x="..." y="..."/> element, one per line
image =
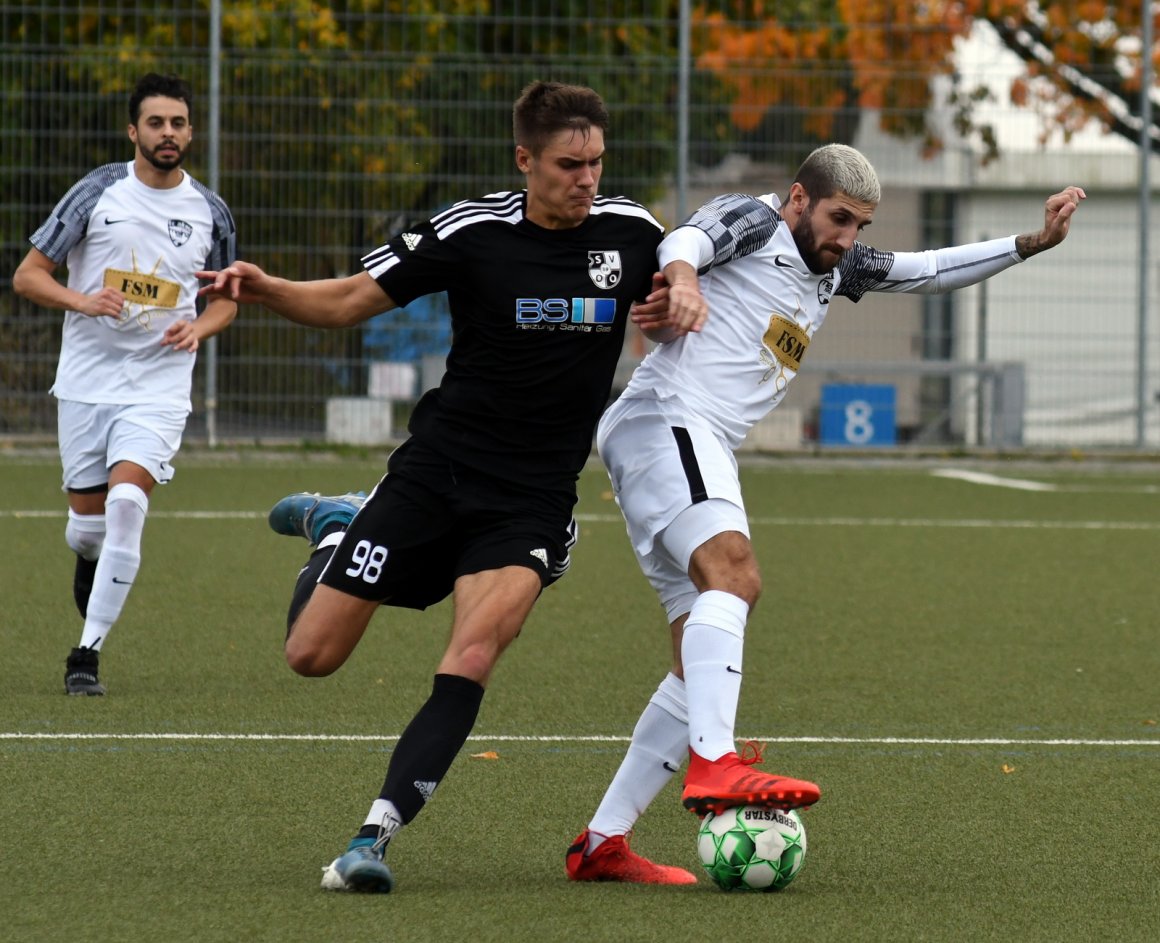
<point x="340" y="122"/>
<point x="343" y="120"/>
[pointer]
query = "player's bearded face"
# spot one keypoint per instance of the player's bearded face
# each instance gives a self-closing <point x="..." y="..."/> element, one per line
<point x="162" y="133"/>
<point x="826" y="229"/>
<point x="563" y="178"/>
<point x="807" y="242"/>
<point x="166" y="155"/>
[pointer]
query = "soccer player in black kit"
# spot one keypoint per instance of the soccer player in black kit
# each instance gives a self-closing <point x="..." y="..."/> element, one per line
<point x="477" y="503"/>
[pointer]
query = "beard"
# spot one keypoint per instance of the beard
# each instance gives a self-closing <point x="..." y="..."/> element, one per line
<point x="169" y="160"/>
<point x="807" y="245"/>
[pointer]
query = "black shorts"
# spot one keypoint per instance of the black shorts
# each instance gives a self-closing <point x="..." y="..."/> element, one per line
<point x="430" y="521"/>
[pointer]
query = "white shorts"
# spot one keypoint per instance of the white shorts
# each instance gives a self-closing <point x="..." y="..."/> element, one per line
<point x="93" y="437"/>
<point x="676" y="483"/>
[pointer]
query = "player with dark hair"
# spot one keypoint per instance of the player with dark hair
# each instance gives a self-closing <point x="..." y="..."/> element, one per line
<point x="154" y="85"/>
<point x="132" y="235"/>
<point x="477" y="503"/>
<point x="751" y="280"/>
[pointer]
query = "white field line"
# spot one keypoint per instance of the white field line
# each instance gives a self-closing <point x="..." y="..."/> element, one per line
<point x="1027" y="484"/>
<point x="982" y="478"/>
<point x="171" y="515"/>
<point x="939" y="522"/>
<point x="970" y="523"/>
<point x="567" y="738"/>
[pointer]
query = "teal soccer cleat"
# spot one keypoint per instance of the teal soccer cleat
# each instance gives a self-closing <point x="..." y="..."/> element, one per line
<point x="360" y="868"/>
<point x="307" y="514"/>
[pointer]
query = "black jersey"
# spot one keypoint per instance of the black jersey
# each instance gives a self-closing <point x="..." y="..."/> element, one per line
<point x="537" y="321"/>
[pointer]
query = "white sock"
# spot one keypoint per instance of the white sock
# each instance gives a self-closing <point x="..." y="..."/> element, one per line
<point x="330" y="540"/>
<point x="384" y="815"/>
<point x="117" y="566"/>
<point x="84" y="534"/>
<point x="659" y="745"/>
<point x="711" y="650"/>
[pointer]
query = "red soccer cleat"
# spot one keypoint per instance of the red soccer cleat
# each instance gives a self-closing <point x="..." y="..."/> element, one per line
<point x="615" y="861"/>
<point x="713" y="786"/>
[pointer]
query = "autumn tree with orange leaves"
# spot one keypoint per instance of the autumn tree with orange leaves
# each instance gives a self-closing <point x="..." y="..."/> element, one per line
<point x="832" y="59"/>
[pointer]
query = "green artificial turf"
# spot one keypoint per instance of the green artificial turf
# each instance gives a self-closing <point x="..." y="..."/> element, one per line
<point x="970" y="672"/>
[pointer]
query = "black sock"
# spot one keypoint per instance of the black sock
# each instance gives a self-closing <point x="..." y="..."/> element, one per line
<point x="307" y="580"/>
<point x="83" y="583"/>
<point x="431" y="742"/>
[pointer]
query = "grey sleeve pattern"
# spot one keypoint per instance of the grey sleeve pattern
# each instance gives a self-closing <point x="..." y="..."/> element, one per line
<point x="737" y="223"/>
<point x="69" y="221"/>
<point x="223" y="248"/>
<point x="863" y="269"/>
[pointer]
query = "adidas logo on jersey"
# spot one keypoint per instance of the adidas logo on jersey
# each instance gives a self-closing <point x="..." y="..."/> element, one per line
<point x="425" y="789"/>
<point x="410" y="240"/>
<point x="541" y="555"/>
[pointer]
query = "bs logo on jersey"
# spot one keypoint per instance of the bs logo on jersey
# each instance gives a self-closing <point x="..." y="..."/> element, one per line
<point x="566" y="314"/>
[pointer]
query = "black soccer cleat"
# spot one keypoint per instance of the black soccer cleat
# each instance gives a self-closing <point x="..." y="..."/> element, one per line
<point x="80" y="672"/>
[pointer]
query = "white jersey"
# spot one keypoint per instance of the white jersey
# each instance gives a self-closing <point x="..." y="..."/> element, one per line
<point x="765" y="305"/>
<point x="114" y="231"/>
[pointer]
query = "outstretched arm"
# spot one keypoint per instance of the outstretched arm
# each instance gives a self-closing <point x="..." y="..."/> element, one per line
<point x="940" y="270"/>
<point x="327" y="302"/>
<point x="1059" y="209"/>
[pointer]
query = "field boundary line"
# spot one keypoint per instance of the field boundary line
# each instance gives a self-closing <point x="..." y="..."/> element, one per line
<point x="995" y="481"/>
<point x="1029" y="484"/>
<point x="582" y="738"/>
<point x="758" y="521"/>
<point x="939" y="522"/>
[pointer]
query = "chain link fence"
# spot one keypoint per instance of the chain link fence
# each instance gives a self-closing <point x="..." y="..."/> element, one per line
<point x="338" y="123"/>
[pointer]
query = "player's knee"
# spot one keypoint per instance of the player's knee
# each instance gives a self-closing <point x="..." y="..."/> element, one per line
<point x="743" y="574"/>
<point x="85" y="534"/>
<point x="125" y="510"/>
<point x="309" y="660"/>
<point x="746" y="587"/>
<point x="128" y="492"/>
<point x="751" y="586"/>
<point x="738" y="575"/>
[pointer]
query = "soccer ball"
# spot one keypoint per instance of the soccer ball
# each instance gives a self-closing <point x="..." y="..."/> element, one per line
<point x="750" y="848"/>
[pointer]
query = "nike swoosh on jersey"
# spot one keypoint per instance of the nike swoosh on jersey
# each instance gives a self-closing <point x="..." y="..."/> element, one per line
<point x="778" y="260"/>
<point x="113" y="222"/>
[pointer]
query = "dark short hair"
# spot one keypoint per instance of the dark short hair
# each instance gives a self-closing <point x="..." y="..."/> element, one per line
<point x="169" y="86"/>
<point x="544" y="108"/>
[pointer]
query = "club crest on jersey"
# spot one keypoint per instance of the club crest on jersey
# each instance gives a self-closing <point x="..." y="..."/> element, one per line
<point x="604" y="268"/>
<point x="825" y="289"/>
<point x="179" y="231"/>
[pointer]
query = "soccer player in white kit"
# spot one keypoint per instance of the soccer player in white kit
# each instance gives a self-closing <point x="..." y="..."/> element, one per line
<point x="751" y="281"/>
<point x="132" y="236"/>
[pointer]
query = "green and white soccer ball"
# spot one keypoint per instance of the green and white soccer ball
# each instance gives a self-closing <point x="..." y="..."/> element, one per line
<point x="752" y="849"/>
